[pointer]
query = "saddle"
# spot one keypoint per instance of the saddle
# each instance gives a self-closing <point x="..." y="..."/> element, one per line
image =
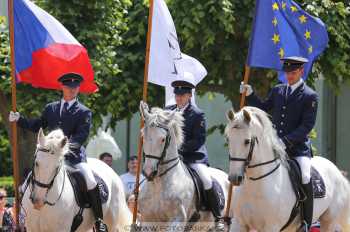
<point x="319" y="187"/>
<point x="80" y="190"/>
<point x="201" y="200"/>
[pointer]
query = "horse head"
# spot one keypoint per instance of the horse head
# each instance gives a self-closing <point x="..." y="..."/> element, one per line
<point x="162" y="131"/>
<point x="48" y="161"/>
<point x="252" y="140"/>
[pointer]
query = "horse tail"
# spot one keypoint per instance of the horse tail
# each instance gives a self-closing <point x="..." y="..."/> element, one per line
<point x="346" y="220"/>
<point x="124" y="216"/>
<point x="125" y="219"/>
<point x="347" y="227"/>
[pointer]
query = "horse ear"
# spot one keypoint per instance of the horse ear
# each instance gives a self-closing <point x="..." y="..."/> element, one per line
<point x="230" y="115"/>
<point x="64" y="141"/>
<point x="41" y="137"/>
<point x="247" y="117"/>
<point x="144" y="110"/>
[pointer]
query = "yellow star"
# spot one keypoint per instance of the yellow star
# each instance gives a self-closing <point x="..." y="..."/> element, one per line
<point x="276" y="38"/>
<point x="275" y="6"/>
<point x="284" y="5"/>
<point x="310" y="49"/>
<point x="294" y="8"/>
<point x="302" y="19"/>
<point x="307" y="34"/>
<point x="281" y="52"/>
<point x="274" y="21"/>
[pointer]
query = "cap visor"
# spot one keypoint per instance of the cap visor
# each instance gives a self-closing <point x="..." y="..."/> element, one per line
<point x="181" y="91"/>
<point x="72" y="84"/>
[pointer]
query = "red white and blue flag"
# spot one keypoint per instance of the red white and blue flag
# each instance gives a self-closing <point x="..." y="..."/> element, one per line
<point x="45" y="50"/>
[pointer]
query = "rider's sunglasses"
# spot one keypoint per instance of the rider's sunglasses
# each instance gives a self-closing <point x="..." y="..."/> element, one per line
<point x="2" y="197"/>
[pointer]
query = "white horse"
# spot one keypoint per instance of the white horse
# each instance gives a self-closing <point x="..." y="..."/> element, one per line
<point x="49" y="203"/>
<point x="265" y="199"/>
<point x="168" y="200"/>
<point x="103" y="142"/>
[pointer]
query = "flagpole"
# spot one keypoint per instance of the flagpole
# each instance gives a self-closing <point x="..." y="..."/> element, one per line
<point x="245" y="81"/>
<point x="241" y="105"/>
<point x="144" y="98"/>
<point x="14" y="106"/>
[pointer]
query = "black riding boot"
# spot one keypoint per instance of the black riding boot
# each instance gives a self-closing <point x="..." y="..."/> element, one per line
<point x="308" y="205"/>
<point x="96" y="205"/>
<point x="214" y="204"/>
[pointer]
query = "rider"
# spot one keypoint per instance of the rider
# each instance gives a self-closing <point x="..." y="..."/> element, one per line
<point x="293" y="107"/>
<point x="74" y="119"/>
<point x="193" y="149"/>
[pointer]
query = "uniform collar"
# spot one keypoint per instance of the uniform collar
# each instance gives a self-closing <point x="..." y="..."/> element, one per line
<point x="183" y="108"/>
<point x="70" y="103"/>
<point x="296" y="85"/>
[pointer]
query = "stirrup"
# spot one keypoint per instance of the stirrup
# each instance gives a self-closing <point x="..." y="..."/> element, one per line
<point x="219" y="225"/>
<point x="100" y="226"/>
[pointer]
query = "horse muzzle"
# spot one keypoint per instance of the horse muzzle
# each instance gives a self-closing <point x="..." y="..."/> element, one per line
<point x="236" y="179"/>
<point x="150" y="175"/>
<point x="38" y="204"/>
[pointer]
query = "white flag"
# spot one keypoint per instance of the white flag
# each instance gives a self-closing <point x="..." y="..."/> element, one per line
<point x="165" y="50"/>
<point x="167" y="63"/>
<point x="197" y="72"/>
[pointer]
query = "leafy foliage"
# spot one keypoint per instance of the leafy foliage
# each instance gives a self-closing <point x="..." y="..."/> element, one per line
<point x="214" y="31"/>
<point x="114" y="33"/>
<point x="7" y="183"/>
<point x="5" y="158"/>
<point x="217" y="32"/>
<point x="335" y="63"/>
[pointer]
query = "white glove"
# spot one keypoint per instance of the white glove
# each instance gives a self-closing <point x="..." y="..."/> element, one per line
<point x="13" y="116"/>
<point x="248" y="88"/>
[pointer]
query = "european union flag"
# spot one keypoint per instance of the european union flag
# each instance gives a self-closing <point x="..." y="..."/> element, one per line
<point x="282" y="29"/>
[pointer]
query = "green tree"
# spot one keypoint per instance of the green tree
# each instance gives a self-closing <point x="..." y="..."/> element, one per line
<point x="214" y="31"/>
<point x="29" y="102"/>
<point x="116" y="44"/>
<point x="97" y="25"/>
<point x="217" y="32"/>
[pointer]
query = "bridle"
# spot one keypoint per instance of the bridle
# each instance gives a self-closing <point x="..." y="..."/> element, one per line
<point x="160" y="159"/>
<point x="254" y="140"/>
<point x="34" y="182"/>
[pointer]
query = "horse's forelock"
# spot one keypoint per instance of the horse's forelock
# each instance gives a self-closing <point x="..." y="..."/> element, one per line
<point x="261" y="127"/>
<point x="267" y="131"/>
<point x="169" y="119"/>
<point x="53" y="142"/>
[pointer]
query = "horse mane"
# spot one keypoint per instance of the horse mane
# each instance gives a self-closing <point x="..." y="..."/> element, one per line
<point x="53" y="143"/>
<point x="170" y="119"/>
<point x="269" y="132"/>
<point x="260" y="117"/>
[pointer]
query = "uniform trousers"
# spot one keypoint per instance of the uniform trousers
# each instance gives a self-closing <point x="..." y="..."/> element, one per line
<point x="203" y="172"/>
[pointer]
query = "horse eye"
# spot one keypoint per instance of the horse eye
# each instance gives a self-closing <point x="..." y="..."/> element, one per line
<point x="246" y="142"/>
<point x="163" y="140"/>
<point x="237" y="126"/>
<point x="36" y="164"/>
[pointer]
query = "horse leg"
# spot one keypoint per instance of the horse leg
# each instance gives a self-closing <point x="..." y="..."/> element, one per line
<point x="243" y="228"/>
<point x="270" y="228"/>
<point x="328" y="226"/>
<point x="236" y="226"/>
<point x="334" y="219"/>
<point x="178" y="223"/>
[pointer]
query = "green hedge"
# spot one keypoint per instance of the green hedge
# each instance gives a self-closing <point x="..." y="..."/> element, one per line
<point x="7" y="183"/>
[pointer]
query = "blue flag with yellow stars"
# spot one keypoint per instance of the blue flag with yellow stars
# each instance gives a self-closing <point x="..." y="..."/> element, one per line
<point x="282" y="29"/>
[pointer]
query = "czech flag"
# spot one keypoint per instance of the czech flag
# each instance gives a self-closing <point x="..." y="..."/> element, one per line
<point x="45" y="50"/>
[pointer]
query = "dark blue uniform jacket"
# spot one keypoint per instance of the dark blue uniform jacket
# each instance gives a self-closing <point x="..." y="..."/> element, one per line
<point x="75" y="124"/>
<point x="293" y="118"/>
<point x="193" y="149"/>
